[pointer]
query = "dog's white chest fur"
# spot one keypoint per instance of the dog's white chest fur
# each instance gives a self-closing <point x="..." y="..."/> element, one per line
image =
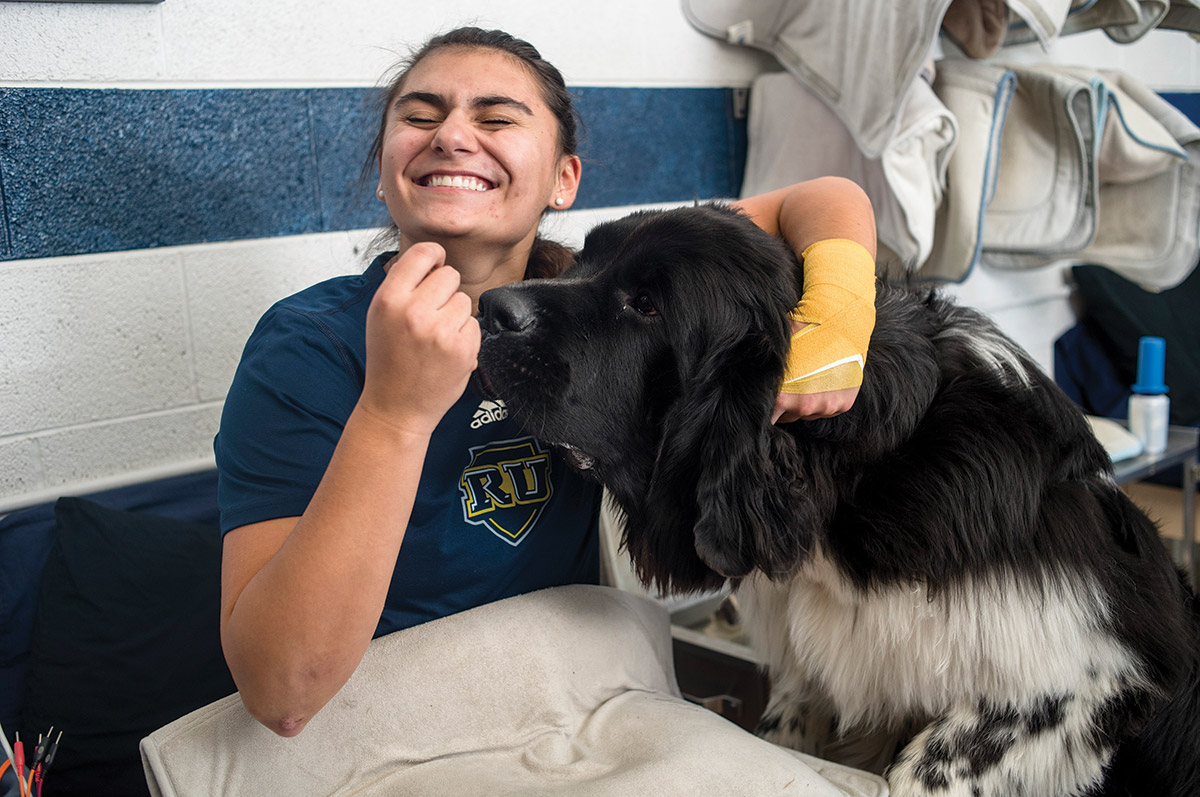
<point x="896" y="652"/>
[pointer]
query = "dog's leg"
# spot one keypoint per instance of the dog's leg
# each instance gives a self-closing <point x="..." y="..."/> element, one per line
<point x="800" y="714"/>
<point x="800" y="718"/>
<point x="1056" y="745"/>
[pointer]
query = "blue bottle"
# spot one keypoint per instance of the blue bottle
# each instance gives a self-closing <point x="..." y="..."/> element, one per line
<point x="1149" y="407"/>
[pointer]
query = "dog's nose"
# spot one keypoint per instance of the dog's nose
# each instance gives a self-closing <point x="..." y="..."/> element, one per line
<point x="505" y="310"/>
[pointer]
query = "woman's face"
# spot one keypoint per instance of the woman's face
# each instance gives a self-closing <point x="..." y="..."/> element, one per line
<point x="470" y="150"/>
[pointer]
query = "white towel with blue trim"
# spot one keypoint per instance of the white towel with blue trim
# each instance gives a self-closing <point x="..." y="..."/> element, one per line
<point x="1066" y="164"/>
<point x="977" y="93"/>
<point x="1148" y="165"/>
<point x="1095" y="167"/>
<point x="1043" y="202"/>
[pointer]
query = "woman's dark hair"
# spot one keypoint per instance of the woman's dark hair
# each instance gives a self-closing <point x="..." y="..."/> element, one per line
<point x="547" y="259"/>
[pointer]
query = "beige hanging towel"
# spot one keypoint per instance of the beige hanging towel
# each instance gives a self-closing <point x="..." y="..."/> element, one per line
<point x="861" y="57"/>
<point x="1078" y="165"/>
<point x="794" y="136"/>
<point x="978" y="95"/>
<point x="1124" y="21"/>
<point x="1043" y="205"/>
<point x="1183" y="15"/>
<point x="1148" y="166"/>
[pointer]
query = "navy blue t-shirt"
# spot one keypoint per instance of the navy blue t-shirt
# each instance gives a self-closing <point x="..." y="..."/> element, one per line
<point x="497" y="513"/>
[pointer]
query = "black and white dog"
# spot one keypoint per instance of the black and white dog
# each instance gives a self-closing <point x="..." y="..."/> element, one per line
<point x="946" y="576"/>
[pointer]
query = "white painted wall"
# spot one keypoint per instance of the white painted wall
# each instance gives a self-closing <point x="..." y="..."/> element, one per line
<point x="113" y="367"/>
<point x="349" y="42"/>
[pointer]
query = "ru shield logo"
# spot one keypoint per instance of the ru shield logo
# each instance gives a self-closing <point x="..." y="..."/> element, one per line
<point x="505" y="487"/>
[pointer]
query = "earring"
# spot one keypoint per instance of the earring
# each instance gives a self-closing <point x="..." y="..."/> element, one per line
<point x="558" y="200"/>
<point x="379" y="192"/>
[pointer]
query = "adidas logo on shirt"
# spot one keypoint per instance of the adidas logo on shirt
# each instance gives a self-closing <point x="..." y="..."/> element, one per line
<point x="489" y="411"/>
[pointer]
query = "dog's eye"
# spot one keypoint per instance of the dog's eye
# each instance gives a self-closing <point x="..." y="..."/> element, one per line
<point x="644" y="304"/>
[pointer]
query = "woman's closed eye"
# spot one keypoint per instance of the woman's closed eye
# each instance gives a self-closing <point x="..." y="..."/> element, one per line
<point x="424" y="120"/>
<point x="421" y="120"/>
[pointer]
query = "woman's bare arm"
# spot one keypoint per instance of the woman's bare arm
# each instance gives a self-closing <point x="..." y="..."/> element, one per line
<point x="803" y="214"/>
<point x="301" y="597"/>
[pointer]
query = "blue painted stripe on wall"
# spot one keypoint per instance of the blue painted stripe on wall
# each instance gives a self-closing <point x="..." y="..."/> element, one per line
<point x="657" y="145"/>
<point x="1188" y="102"/>
<point x="85" y="171"/>
<point x="95" y="171"/>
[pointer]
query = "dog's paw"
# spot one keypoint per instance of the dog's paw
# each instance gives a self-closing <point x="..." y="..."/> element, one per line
<point x="797" y="726"/>
<point x="913" y="775"/>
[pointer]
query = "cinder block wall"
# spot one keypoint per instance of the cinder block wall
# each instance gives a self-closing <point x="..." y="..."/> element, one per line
<point x="169" y="170"/>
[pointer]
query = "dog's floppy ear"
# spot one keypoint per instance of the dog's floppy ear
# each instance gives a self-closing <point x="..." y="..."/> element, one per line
<point x="718" y="441"/>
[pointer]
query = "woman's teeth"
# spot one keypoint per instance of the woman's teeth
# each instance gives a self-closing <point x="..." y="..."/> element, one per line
<point x="456" y="181"/>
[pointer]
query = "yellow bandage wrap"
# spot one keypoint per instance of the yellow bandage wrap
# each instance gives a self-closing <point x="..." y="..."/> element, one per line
<point x="839" y="307"/>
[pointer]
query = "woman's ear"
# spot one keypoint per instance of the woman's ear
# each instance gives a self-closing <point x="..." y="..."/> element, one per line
<point x="570" y="172"/>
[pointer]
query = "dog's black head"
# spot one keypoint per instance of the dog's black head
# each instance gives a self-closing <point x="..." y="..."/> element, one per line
<point x="655" y="359"/>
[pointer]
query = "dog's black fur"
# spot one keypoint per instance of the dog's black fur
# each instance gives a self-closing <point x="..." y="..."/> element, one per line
<point x="962" y="475"/>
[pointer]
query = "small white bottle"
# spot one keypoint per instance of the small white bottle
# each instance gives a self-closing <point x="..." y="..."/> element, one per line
<point x="1149" y="407"/>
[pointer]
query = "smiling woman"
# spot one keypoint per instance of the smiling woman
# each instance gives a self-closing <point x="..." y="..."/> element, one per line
<point x="365" y="487"/>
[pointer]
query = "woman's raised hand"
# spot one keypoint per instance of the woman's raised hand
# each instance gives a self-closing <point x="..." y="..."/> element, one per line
<point x="422" y="341"/>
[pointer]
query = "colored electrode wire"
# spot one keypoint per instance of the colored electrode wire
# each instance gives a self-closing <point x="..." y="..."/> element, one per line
<point x="19" y="762"/>
<point x="44" y="766"/>
<point x="43" y="757"/>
